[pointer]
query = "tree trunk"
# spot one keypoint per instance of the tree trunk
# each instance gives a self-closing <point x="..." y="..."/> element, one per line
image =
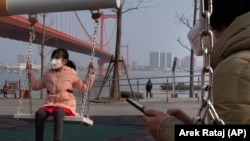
<point x="191" y="88"/>
<point x="115" y="89"/>
<point x="42" y="53"/>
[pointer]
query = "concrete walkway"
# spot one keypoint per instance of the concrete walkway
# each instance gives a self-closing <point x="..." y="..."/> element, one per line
<point x="114" y="114"/>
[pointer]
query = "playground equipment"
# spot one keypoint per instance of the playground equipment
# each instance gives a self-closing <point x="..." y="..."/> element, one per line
<point x="17" y="7"/>
<point x="32" y="7"/>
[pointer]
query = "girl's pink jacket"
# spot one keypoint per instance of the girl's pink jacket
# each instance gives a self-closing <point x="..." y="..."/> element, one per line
<point x="59" y="86"/>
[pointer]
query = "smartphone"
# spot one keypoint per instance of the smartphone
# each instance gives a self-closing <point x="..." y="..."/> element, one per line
<point x="136" y="104"/>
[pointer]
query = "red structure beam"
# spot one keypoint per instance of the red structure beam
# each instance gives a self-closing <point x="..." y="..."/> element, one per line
<point x="17" y="28"/>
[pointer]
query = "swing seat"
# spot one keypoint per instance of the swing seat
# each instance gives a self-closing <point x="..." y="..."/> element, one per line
<point x="69" y="119"/>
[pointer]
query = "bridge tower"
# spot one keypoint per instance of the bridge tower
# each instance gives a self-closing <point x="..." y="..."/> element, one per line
<point x="101" y="62"/>
<point x="127" y="65"/>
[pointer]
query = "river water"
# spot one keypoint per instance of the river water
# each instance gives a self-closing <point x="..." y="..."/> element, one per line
<point x="136" y="79"/>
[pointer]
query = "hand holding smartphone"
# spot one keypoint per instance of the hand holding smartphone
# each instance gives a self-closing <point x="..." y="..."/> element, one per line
<point x="136" y="104"/>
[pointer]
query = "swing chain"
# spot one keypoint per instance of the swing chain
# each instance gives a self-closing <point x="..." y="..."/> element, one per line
<point x="95" y="16"/>
<point x="32" y="20"/>
<point x="85" y="99"/>
<point x="32" y="38"/>
<point x="207" y="107"/>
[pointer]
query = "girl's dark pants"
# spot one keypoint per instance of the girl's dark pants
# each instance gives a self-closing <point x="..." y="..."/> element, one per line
<point x="40" y="117"/>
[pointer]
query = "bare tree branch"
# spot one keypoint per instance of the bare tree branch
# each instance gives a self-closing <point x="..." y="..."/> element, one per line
<point x="184" y="20"/>
<point x="138" y="4"/>
<point x="180" y="42"/>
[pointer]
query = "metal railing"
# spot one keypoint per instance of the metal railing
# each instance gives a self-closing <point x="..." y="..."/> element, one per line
<point x="138" y="85"/>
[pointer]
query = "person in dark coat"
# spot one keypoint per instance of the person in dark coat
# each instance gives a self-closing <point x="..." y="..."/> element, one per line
<point x="149" y="87"/>
<point x="5" y="89"/>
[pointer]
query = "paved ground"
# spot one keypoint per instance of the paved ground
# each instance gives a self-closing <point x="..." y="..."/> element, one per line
<point x="113" y="121"/>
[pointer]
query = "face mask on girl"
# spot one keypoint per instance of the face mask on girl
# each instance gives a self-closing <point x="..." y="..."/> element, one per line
<point x="56" y="63"/>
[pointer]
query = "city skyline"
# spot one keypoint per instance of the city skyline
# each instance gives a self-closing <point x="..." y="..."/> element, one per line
<point x="168" y="57"/>
<point x="164" y="60"/>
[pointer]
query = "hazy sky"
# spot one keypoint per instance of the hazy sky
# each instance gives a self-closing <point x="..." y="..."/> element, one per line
<point x="153" y="28"/>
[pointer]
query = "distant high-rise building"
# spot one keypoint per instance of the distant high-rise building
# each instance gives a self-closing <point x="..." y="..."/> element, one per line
<point x="169" y="59"/>
<point x="22" y="58"/>
<point x="135" y="65"/>
<point x="186" y="62"/>
<point x="154" y="59"/>
<point x="179" y="63"/>
<point x="163" y="60"/>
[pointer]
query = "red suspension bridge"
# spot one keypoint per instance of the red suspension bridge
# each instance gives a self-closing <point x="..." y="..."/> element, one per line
<point x="66" y="30"/>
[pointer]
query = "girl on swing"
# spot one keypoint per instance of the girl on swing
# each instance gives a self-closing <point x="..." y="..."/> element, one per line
<point x="60" y="101"/>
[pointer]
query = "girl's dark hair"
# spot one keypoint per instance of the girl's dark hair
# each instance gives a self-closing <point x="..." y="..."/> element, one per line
<point x="71" y="64"/>
<point x="225" y="11"/>
<point x="60" y="53"/>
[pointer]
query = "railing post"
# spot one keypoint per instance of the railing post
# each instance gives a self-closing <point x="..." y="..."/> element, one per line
<point x="109" y="92"/>
<point x="137" y="89"/>
<point x="173" y="72"/>
<point x="198" y="93"/>
<point x="167" y="89"/>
